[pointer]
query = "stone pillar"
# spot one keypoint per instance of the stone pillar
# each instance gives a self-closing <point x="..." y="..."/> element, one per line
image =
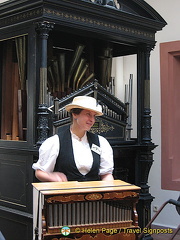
<point x="43" y="29"/>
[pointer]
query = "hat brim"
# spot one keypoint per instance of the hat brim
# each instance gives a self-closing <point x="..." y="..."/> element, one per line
<point x="71" y="106"/>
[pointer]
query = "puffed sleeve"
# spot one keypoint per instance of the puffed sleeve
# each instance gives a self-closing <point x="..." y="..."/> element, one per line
<point x="48" y="153"/>
<point x="106" y="158"/>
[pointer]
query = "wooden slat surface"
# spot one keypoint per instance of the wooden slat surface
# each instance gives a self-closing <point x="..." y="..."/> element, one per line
<point x="77" y="187"/>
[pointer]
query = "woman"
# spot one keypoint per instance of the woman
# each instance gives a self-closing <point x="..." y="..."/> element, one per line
<point x="75" y="154"/>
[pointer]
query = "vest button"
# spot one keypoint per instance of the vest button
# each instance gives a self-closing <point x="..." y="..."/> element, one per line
<point x="83" y="178"/>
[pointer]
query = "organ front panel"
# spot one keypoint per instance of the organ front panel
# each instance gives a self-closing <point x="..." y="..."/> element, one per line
<point x="100" y="209"/>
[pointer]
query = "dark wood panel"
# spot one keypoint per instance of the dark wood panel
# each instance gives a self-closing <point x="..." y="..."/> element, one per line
<point x="16" y="175"/>
<point x="15" y="227"/>
<point x="124" y="163"/>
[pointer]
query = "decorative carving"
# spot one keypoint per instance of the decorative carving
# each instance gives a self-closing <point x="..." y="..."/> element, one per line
<point x="43" y="127"/>
<point x="43" y="28"/>
<point x="93" y="196"/>
<point x="108" y="3"/>
<point x="146" y="160"/>
<point x="21" y="17"/>
<point x="135" y="214"/>
<point x="102" y="128"/>
<point x="146" y="126"/>
<point x="65" y="198"/>
<point x="120" y="195"/>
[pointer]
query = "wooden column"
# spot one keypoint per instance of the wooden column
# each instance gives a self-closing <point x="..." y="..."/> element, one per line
<point x="145" y="154"/>
<point x="146" y="118"/>
<point x="43" y="29"/>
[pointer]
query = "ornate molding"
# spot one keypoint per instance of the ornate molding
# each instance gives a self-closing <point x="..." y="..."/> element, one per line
<point x="92" y="22"/>
<point x="21" y="17"/>
<point x="92" y="197"/>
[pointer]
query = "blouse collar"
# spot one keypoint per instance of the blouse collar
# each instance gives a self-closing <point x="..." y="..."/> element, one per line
<point x="77" y="138"/>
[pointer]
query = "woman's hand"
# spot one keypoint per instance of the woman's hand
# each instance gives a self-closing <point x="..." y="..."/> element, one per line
<point x="57" y="177"/>
<point x="50" y="177"/>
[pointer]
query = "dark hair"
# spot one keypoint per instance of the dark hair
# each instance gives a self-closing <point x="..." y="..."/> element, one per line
<point x="75" y="111"/>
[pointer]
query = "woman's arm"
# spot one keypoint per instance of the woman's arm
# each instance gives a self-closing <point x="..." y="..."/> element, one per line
<point x="50" y="176"/>
<point x="106" y="160"/>
<point x="107" y="177"/>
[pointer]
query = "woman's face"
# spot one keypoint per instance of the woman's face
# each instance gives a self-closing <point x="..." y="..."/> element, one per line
<point x="85" y="119"/>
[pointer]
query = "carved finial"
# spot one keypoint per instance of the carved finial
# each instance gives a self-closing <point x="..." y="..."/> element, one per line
<point x="108" y="3"/>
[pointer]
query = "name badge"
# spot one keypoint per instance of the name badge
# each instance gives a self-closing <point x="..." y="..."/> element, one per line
<point x="96" y="149"/>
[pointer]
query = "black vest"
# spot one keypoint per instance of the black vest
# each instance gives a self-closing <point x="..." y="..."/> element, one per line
<point x="65" y="162"/>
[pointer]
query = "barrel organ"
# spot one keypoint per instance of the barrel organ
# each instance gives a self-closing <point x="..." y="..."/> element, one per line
<point x="84" y="210"/>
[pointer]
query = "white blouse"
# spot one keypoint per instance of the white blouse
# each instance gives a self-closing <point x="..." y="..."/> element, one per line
<point x="49" y="150"/>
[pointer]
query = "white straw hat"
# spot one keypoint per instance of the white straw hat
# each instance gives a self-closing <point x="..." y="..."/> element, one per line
<point x="85" y="102"/>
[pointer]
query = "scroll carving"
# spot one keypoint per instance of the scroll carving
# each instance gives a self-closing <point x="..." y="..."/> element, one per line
<point x="65" y="198"/>
<point x="119" y="195"/>
<point x="91" y="197"/>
